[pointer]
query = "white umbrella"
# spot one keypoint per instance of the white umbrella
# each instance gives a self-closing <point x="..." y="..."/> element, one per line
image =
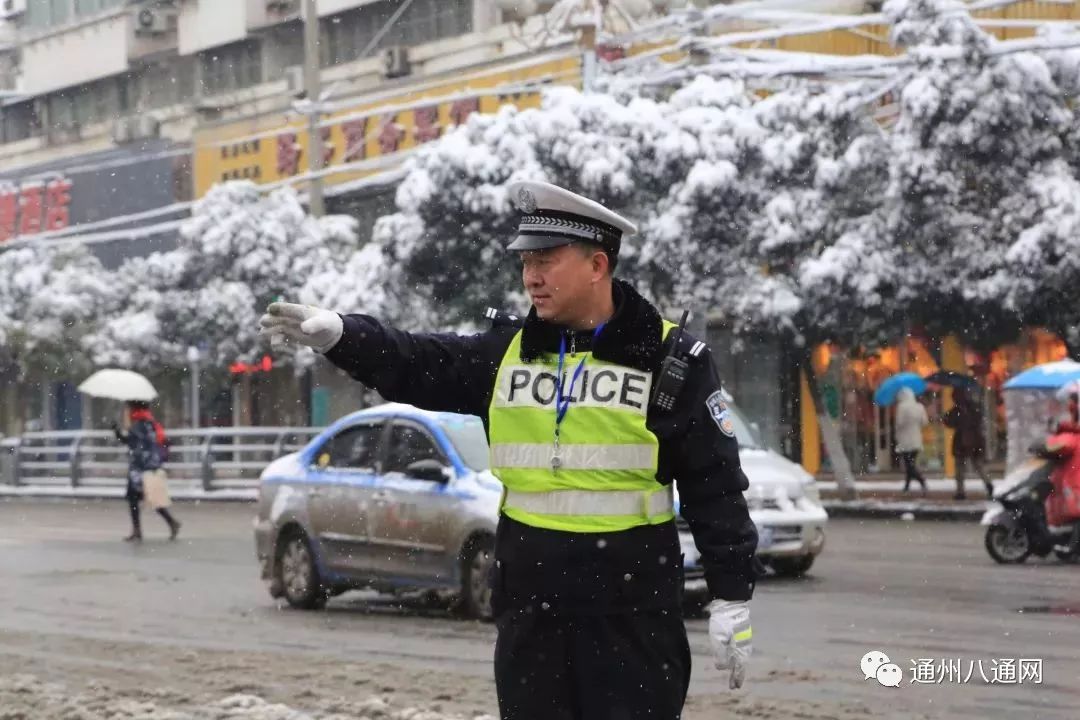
<point x="119" y="385"/>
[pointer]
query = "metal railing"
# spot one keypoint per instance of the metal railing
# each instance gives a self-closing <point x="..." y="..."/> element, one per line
<point x="224" y="458"/>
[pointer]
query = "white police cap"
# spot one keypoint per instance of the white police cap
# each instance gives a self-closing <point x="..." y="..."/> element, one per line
<point x="552" y="216"/>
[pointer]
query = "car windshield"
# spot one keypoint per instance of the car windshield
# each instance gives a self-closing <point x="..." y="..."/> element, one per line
<point x="466" y="432"/>
<point x="744" y="431"/>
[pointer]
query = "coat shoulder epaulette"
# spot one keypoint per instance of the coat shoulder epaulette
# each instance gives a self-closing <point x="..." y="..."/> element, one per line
<point x="690" y="347"/>
<point x="502" y="319"/>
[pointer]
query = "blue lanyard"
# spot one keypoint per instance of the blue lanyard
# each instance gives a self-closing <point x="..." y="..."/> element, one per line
<point x="562" y="402"/>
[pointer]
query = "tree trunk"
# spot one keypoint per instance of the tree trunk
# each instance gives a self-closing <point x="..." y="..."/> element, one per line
<point x="830" y="433"/>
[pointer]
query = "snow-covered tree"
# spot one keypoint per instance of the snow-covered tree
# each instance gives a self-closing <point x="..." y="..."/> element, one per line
<point x="1042" y="267"/>
<point x="50" y="298"/>
<point x="976" y="129"/>
<point x="240" y="251"/>
<point x="733" y="198"/>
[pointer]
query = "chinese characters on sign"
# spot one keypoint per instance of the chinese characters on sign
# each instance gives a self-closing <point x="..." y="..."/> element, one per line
<point x="344" y="142"/>
<point x="33" y="207"/>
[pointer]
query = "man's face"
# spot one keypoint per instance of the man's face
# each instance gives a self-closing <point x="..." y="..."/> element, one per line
<point x="558" y="280"/>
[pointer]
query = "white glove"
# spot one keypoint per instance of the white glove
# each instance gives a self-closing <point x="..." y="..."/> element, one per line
<point x="317" y="328"/>
<point x="730" y="636"/>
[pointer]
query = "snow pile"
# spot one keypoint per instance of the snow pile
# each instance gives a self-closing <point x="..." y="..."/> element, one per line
<point x="24" y="696"/>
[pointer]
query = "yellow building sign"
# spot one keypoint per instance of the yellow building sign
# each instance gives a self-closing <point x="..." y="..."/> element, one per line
<point x="371" y="135"/>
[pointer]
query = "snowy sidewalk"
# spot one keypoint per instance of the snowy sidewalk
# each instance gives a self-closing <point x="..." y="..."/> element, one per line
<point x="885" y="498"/>
<point x="181" y="494"/>
<point x="880" y="499"/>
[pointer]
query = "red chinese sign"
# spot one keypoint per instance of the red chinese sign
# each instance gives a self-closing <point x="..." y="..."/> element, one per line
<point x="34" y="207"/>
<point x="427" y="123"/>
<point x="460" y="110"/>
<point x="288" y="154"/>
<point x="391" y="134"/>
<point x="355" y="132"/>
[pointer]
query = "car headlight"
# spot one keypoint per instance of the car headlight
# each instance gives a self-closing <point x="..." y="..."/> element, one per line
<point x="812" y="493"/>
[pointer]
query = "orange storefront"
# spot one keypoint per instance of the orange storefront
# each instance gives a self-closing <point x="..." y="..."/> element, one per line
<point x="848" y="381"/>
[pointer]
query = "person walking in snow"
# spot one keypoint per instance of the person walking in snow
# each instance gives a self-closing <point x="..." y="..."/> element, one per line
<point x="911" y="418"/>
<point x="968" y="444"/>
<point x="146" y="442"/>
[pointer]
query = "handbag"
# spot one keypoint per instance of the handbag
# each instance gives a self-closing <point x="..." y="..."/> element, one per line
<point x="156" y="489"/>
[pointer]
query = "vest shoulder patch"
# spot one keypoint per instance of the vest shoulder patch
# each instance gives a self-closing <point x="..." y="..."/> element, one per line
<point x="719" y="412"/>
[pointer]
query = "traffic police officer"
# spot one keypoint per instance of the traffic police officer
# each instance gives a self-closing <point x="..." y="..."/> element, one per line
<point x="594" y="405"/>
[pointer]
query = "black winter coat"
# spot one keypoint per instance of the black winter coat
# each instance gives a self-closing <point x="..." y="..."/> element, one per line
<point x="144" y="452"/>
<point x="631" y="570"/>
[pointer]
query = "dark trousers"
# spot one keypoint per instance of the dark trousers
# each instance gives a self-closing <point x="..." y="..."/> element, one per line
<point x="591" y="667"/>
<point x="911" y="470"/>
<point x="136" y="522"/>
<point x="980" y="469"/>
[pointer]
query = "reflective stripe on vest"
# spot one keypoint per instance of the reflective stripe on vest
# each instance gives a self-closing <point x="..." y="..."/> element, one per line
<point x="574" y="457"/>
<point x="594" y="502"/>
<point x="607" y="453"/>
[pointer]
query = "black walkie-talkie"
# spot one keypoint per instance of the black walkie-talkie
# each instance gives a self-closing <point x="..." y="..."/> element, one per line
<point x="673" y="373"/>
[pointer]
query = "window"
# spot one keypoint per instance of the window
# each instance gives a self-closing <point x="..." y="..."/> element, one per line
<point x="232" y="67"/>
<point x="356" y="448"/>
<point x="347" y="34"/>
<point x="408" y="444"/>
<point x="162" y="85"/>
<point x="61" y="110"/>
<point x="43" y="14"/>
<point x="285" y="47"/>
<point x="20" y="121"/>
<point x="467" y="434"/>
<point x="60" y="11"/>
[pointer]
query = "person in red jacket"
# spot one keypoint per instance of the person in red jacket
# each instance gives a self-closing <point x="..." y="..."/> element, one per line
<point x="1063" y="503"/>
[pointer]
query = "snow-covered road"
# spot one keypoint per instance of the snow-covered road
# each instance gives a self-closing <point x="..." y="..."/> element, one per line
<point x="93" y="629"/>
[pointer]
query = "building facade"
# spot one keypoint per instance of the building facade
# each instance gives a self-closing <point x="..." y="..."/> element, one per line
<point x="116" y="114"/>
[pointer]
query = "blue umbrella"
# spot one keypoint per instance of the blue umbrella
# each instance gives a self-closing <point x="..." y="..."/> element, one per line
<point x="1050" y="376"/>
<point x="890" y="387"/>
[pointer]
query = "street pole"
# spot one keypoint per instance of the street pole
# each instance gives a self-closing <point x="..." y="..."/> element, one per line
<point x="194" y="356"/>
<point x="587" y="20"/>
<point x="312" y="89"/>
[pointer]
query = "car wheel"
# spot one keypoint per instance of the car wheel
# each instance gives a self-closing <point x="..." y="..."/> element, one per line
<point x="474" y="600"/>
<point x="792" y="567"/>
<point x="299" y="575"/>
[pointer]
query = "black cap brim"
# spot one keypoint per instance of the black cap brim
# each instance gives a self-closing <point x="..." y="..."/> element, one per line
<point x="538" y="242"/>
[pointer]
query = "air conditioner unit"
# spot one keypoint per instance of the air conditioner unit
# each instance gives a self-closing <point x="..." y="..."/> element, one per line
<point x="154" y="21"/>
<point x="395" y="61"/>
<point x="121" y="131"/>
<point x="145" y="127"/>
<point x="11" y="8"/>
<point x="294" y="79"/>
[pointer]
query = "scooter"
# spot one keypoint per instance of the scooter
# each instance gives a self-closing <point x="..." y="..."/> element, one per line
<point x="1017" y="528"/>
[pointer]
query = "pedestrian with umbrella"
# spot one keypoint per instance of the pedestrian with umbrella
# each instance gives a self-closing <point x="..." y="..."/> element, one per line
<point x="965" y="419"/>
<point x="910" y="420"/>
<point x="146" y="442"/>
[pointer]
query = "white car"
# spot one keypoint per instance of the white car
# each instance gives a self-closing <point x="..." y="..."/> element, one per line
<point x="784" y="503"/>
